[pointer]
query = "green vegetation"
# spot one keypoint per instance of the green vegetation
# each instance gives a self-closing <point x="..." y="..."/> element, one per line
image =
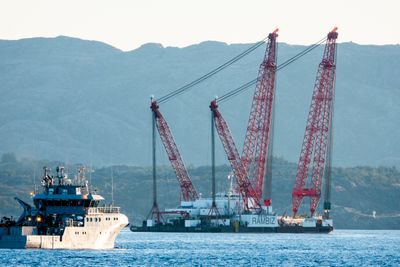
<point x="356" y="191"/>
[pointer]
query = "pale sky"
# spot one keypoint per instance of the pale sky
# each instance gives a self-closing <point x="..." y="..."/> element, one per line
<point x="127" y="24"/>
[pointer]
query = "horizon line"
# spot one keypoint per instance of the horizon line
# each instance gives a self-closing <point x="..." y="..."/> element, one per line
<point x="177" y="46"/>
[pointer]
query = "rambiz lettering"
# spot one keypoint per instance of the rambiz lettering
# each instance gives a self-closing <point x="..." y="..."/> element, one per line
<point x="262" y="219"/>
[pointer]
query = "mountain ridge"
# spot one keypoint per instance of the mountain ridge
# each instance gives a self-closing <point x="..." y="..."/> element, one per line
<point x="85" y="101"/>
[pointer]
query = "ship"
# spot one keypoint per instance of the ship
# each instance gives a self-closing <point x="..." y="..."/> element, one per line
<point x="229" y="215"/>
<point x="67" y="214"/>
<point x="249" y="207"/>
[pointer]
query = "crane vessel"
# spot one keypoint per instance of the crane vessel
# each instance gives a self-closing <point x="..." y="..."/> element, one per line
<point x="247" y="206"/>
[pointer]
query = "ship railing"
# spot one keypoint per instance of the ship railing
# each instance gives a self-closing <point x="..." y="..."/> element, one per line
<point x="103" y="210"/>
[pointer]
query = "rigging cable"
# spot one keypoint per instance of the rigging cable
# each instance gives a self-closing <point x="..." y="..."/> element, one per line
<point x="243" y="87"/>
<point x="211" y="73"/>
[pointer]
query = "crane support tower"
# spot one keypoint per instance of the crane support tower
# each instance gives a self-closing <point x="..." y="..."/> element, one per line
<point x="155" y="211"/>
<point x="188" y="191"/>
<point x="258" y="133"/>
<point x="317" y="137"/>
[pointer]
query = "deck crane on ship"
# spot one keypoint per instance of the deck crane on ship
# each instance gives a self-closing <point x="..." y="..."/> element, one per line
<point x="253" y="161"/>
<point x="188" y="191"/>
<point x="317" y="139"/>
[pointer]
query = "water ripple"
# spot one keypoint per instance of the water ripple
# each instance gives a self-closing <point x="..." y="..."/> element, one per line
<point x="340" y="248"/>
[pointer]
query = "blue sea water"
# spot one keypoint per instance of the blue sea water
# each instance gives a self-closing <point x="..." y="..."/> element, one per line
<point x="340" y="248"/>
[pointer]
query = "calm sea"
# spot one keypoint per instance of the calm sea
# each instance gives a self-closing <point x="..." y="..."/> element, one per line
<point x="340" y="248"/>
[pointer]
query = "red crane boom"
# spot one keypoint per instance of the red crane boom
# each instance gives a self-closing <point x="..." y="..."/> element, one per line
<point x="255" y="148"/>
<point x="188" y="191"/>
<point x="254" y="156"/>
<point x="316" y="137"/>
<point x="244" y="186"/>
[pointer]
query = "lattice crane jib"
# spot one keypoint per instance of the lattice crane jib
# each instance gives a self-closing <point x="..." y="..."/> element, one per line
<point x="188" y="190"/>
<point x="244" y="186"/>
<point x="316" y="137"/>
<point x="258" y="133"/>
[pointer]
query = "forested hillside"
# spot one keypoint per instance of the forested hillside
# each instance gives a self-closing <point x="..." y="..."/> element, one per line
<point x="356" y="191"/>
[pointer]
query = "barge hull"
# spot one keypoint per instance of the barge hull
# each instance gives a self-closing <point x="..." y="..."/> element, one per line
<point x="230" y="229"/>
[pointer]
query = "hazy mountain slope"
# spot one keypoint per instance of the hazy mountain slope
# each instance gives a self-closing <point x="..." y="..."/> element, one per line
<point x="83" y="101"/>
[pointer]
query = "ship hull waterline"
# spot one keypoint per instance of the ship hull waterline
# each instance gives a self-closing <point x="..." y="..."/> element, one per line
<point x="231" y="229"/>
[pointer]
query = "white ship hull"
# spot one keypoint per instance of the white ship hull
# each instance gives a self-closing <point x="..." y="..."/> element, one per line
<point x="98" y="233"/>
